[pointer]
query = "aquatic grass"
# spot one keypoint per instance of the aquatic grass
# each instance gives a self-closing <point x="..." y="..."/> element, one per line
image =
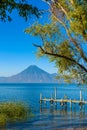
<point x="3" y="119"/>
<point x="11" y="112"/>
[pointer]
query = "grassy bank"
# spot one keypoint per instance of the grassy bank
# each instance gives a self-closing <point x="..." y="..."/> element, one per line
<point x="13" y="112"/>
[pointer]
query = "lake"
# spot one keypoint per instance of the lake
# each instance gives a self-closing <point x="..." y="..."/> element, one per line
<point x="49" y="117"/>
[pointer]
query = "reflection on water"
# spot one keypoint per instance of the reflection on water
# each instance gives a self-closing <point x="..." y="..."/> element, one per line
<point x="65" y="112"/>
<point x="64" y="118"/>
<point x="46" y="115"/>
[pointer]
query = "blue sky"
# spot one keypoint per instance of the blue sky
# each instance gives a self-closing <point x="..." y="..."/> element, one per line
<point x="16" y="49"/>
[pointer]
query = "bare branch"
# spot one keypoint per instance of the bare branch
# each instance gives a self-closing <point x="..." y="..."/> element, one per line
<point x="63" y="10"/>
<point x="64" y="25"/>
<point x="39" y="47"/>
<point x="72" y="39"/>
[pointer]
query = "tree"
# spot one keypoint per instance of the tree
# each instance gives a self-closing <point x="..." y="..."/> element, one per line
<point x="24" y="9"/>
<point x="64" y="40"/>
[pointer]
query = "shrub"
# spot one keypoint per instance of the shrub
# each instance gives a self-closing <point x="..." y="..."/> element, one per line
<point x="13" y="112"/>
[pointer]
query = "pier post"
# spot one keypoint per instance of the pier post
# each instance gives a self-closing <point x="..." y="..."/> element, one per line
<point x="63" y="102"/>
<point x="45" y="101"/>
<point x="40" y="98"/>
<point x="55" y="96"/>
<point x="55" y="93"/>
<point x="80" y="95"/>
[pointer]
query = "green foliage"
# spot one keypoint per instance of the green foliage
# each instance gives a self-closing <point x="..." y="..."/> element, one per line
<point x="13" y="112"/>
<point x="75" y="13"/>
<point x="66" y="50"/>
<point x="24" y="9"/>
<point x="3" y="120"/>
<point x="47" y="31"/>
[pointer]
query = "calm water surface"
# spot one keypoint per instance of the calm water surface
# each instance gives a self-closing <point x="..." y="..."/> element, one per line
<point x="49" y="117"/>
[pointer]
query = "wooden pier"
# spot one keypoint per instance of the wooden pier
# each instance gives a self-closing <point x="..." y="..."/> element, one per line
<point x="63" y="101"/>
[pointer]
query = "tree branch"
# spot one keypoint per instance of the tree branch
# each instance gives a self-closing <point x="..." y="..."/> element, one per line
<point x="61" y="56"/>
<point x="62" y="8"/>
<point x="71" y="39"/>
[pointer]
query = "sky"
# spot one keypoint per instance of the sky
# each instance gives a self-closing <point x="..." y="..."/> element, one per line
<point x="16" y="49"/>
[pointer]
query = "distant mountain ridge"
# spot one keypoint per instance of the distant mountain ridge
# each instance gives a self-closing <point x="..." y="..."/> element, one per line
<point x="32" y="74"/>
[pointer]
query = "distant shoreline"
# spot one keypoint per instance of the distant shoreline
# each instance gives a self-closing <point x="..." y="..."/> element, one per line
<point x="2" y="83"/>
<point x="26" y="83"/>
<point x="84" y="128"/>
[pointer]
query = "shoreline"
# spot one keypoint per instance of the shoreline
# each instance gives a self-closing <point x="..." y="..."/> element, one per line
<point x="79" y="128"/>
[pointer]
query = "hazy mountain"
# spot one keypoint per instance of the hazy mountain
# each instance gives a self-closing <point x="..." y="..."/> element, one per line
<point x="54" y="74"/>
<point x="32" y="74"/>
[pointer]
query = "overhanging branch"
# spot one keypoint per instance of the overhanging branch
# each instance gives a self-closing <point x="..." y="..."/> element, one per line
<point x="61" y="56"/>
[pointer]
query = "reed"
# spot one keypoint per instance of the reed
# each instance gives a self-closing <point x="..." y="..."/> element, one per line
<point x="11" y="112"/>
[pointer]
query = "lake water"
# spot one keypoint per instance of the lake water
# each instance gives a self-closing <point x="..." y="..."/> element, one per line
<point x="49" y="117"/>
